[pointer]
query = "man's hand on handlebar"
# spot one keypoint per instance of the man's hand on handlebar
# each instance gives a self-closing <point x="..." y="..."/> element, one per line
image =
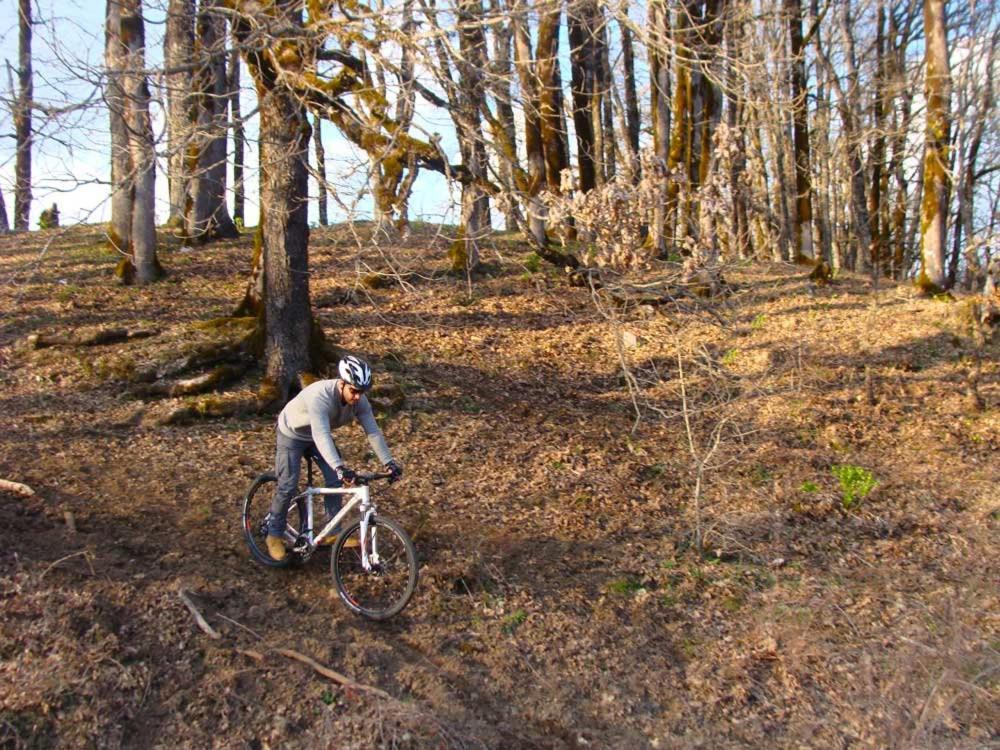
<point x="395" y="471"/>
<point x="346" y="476"/>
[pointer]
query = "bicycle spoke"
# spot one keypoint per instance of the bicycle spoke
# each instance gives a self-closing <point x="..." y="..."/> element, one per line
<point x="384" y="589"/>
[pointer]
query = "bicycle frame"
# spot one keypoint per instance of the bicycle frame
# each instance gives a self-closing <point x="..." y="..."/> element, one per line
<point x="360" y="495"/>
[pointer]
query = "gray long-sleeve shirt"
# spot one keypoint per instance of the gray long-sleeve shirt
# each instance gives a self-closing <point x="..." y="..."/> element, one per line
<point x="318" y="410"/>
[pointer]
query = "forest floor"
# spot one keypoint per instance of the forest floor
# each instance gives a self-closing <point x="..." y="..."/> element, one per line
<point x="556" y="503"/>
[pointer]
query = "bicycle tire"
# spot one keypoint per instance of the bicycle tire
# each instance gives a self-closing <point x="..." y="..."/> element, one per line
<point x="382" y="592"/>
<point x="256" y="506"/>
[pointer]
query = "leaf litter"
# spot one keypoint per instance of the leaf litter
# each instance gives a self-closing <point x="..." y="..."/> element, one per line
<point x="582" y="584"/>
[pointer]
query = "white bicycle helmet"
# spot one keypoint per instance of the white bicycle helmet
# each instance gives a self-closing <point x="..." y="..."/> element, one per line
<point x="355" y="372"/>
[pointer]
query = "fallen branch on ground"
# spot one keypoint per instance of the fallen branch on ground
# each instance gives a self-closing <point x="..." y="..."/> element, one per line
<point x="16" y="488"/>
<point x="84" y="553"/>
<point x="202" y="622"/>
<point x="331" y="674"/>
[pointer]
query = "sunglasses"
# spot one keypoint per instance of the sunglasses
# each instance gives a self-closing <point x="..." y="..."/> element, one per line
<point x="351" y="390"/>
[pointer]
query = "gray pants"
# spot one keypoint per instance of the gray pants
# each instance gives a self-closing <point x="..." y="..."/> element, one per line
<point x="287" y="466"/>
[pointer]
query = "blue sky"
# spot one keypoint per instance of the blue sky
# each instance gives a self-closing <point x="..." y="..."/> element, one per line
<point x="70" y="155"/>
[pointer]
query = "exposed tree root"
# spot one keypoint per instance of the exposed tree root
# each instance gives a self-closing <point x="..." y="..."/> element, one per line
<point x="212" y="407"/>
<point x="98" y="337"/>
<point x="207" y="381"/>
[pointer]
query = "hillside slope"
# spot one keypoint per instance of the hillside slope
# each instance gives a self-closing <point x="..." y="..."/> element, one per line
<point x="555" y="499"/>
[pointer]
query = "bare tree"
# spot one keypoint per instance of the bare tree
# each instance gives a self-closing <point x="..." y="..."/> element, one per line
<point x="22" y="119"/>
<point x="937" y="180"/>
<point x="802" y="237"/>
<point x="133" y="160"/>
<point x="178" y="50"/>
<point x="321" y="194"/>
<point x="239" y="137"/>
<point x="207" y="216"/>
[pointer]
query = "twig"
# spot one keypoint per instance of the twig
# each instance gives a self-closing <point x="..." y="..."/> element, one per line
<point x="240" y="625"/>
<point x="202" y="622"/>
<point x="331" y="674"/>
<point x="83" y="552"/>
<point x="257" y="656"/>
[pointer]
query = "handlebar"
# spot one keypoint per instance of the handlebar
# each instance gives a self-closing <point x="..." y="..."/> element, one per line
<point x="367" y="477"/>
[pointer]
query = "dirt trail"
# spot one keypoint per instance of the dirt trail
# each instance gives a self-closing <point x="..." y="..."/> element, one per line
<point x="561" y="601"/>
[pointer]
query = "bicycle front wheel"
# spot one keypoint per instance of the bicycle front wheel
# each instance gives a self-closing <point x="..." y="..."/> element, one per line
<point x="382" y="591"/>
<point x="256" y="511"/>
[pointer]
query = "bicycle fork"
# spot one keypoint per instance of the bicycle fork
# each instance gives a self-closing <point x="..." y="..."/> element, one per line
<point x="369" y="558"/>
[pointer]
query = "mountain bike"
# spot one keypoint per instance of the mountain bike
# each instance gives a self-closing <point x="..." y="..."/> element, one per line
<point x="373" y="561"/>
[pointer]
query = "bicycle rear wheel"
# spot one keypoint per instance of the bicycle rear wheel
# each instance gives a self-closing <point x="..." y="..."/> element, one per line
<point x="256" y="511"/>
<point x="383" y="591"/>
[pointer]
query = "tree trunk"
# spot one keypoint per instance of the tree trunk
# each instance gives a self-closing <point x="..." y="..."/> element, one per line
<point x="209" y="217"/>
<point x="632" y="118"/>
<point x="738" y="167"/>
<point x="284" y="134"/>
<point x="239" y="139"/>
<point x="802" y="221"/>
<point x="178" y="49"/>
<point x="534" y="150"/>
<point x="881" y="101"/>
<point x="141" y="144"/>
<point x="901" y="117"/>
<point x="321" y="195"/>
<point x="22" y="120"/>
<point x="967" y="177"/>
<point x="290" y="340"/>
<point x="506" y="157"/>
<point x="581" y="19"/>
<point x="937" y="182"/>
<point x="549" y="88"/>
<point x="679" y="157"/>
<point x="4" y="223"/>
<point x="660" y="97"/>
<point x="472" y="66"/>
<point x="122" y="178"/>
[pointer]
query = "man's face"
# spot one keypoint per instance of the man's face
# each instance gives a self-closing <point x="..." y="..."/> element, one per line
<point x="351" y="394"/>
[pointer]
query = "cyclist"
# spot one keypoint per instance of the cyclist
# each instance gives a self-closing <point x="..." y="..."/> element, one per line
<point x="304" y="428"/>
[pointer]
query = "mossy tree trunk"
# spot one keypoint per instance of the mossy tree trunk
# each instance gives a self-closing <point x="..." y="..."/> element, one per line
<point x="208" y="216"/>
<point x="178" y="49"/>
<point x="278" y="291"/>
<point x="284" y="134"/>
<point x="937" y="180"/>
<point x="22" y="119"/>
